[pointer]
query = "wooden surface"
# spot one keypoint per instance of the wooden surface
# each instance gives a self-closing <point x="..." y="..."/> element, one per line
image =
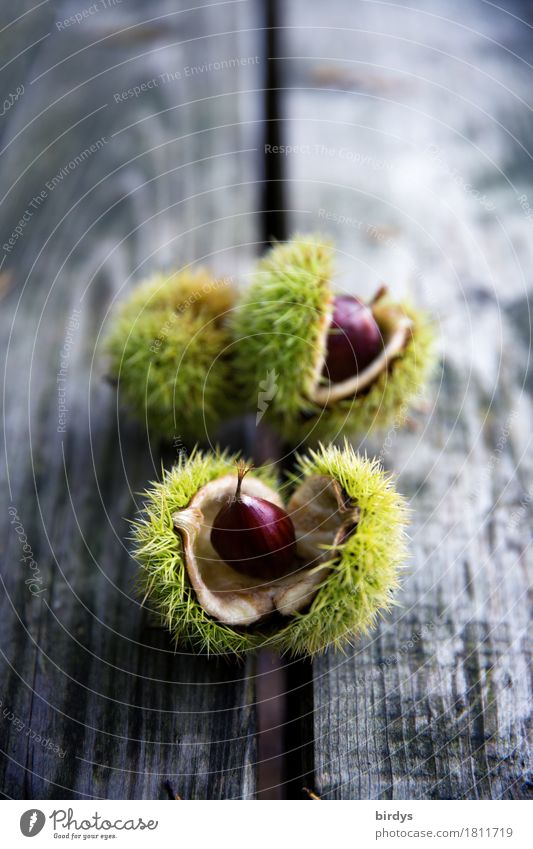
<point x="392" y="112"/>
<point x="402" y="121"/>
<point x="174" y="182"/>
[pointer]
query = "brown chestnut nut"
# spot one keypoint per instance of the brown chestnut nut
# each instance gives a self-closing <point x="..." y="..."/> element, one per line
<point x="354" y="339"/>
<point x="254" y="536"/>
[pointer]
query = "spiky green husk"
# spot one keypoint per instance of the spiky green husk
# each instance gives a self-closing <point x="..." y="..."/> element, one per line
<point x="167" y="352"/>
<point x="278" y="323"/>
<point x="386" y="403"/>
<point x="163" y="579"/>
<point x="364" y="570"/>
<point x="279" y="327"/>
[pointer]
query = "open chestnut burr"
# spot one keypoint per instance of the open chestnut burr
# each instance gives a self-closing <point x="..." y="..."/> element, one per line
<point x="342" y="366"/>
<point x="229" y="565"/>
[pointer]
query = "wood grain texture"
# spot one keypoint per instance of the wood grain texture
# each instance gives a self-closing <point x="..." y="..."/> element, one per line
<point x="410" y="133"/>
<point x="24" y="30"/>
<point x="94" y="701"/>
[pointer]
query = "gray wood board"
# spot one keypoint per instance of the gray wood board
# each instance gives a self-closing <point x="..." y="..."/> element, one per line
<point x="409" y="134"/>
<point x="95" y="701"/>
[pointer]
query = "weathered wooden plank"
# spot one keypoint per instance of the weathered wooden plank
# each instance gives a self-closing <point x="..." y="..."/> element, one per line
<point x="24" y="29"/>
<point x="410" y="135"/>
<point x="97" y="703"/>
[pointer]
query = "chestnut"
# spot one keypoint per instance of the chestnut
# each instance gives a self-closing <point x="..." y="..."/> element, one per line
<point x="253" y="535"/>
<point x="354" y="339"/>
<point x="341" y="531"/>
<point x="343" y="366"/>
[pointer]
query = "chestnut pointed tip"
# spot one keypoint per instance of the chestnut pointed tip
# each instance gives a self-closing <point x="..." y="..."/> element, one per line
<point x="381" y="293"/>
<point x="242" y="470"/>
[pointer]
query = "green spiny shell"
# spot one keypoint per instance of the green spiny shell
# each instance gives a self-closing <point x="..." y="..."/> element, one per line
<point x="385" y="403"/>
<point x="363" y="571"/>
<point x="281" y="326"/>
<point x="163" y="579"/>
<point x="167" y="351"/>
